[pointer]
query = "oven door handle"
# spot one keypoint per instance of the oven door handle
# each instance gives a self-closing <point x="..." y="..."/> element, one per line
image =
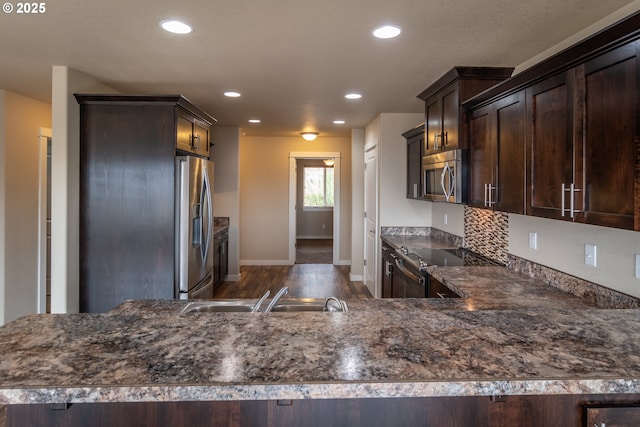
<point x="414" y="277"/>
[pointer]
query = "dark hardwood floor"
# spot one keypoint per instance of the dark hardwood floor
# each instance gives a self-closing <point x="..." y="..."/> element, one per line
<point x="303" y="280"/>
<point x="314" y="251"/>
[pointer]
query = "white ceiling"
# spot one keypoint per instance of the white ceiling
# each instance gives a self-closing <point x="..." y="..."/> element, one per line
<point x="292" y="60"/>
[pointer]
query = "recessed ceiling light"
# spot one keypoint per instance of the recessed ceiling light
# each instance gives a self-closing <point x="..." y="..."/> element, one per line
<point x="387" y="31"/>
<point x="175" y="27"/>
<point x="338" y="122"/>
<point x="254" y="120"/>
<point x="232" y="94"/>
<point x="353" y="96"/>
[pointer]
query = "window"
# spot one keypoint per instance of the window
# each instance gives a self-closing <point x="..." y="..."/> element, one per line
<point x="318" y="188"/>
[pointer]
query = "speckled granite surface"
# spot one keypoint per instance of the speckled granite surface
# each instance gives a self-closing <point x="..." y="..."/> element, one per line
<point x="511" y="334"/>
<point x="146" y="351"/>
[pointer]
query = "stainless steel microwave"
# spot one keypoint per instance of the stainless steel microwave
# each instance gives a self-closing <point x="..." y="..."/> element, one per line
<point x="442" y="176"/>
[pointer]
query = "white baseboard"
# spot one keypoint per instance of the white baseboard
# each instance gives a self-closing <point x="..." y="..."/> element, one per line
<point x="356" y="277"/>
<point x="265" y="262"/>
<point x="343" y="262"/>
<point x="233" y="278"/>
<point x="315" y="236"/>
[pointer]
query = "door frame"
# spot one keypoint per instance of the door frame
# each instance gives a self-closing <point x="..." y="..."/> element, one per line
<point x="43" y="140"/>
<point x="293" y="173"/>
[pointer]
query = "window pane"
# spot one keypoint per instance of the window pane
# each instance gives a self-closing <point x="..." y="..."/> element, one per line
<point x="313" y="186"/>
<point x="329" y="187"/>
<point x="318" y="187"/>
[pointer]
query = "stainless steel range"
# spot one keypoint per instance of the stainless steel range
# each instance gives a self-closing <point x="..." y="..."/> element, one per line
<point x="416" y="282"/>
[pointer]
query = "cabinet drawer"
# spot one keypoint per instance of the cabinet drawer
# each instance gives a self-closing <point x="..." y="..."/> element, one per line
<point x="612" y="416"/>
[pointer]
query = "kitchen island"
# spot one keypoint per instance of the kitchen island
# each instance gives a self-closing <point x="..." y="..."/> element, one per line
<point x="511" y="342"/>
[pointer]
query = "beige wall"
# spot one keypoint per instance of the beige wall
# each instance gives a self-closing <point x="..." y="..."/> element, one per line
<point x="20" y="121"/>
<point x="64" y="184"/>
<point x="311" y="224"/>
<point x="226" y="184"/>
<point x="264" y="196"/>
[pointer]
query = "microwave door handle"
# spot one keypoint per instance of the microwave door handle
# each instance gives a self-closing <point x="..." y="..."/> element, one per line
<point x="452" y="182"/>
<point x="442" y="176"/>
<point x="448" y="187"/>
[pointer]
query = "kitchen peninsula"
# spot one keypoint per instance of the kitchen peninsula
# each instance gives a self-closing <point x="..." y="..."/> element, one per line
<point x="478" y="359"/>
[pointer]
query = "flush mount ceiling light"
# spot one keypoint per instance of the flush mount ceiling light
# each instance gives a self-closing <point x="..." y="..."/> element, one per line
<point x="353" y="95"/>
<point x="175" y="27"/>
<point x="386" y="31"/>
<point x="328" y="162"/>
<point x="254" y="120"/>
<point x="339" y="122"/>
<point x="309" y="136"/>
<point x="232" y="94"/>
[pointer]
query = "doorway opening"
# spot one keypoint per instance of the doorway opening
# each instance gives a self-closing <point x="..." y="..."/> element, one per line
<point x="317" y="235"/>
<point x="314" y="214"/>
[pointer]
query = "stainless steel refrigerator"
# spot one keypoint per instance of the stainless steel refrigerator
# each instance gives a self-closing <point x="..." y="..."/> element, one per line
<point x="194" y="228"/>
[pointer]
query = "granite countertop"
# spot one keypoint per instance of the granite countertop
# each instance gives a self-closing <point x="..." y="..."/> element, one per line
<point x="510" y="335"/>
<point x="147" y="351"/>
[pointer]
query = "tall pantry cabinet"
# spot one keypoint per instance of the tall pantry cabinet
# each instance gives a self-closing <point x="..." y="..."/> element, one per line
<point x="128" y="146"/>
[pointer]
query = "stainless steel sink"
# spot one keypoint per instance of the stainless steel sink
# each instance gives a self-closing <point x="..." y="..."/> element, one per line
<point x="245" y="305"/>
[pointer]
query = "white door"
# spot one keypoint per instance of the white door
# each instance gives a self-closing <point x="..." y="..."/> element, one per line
<point x="371" y="219"/>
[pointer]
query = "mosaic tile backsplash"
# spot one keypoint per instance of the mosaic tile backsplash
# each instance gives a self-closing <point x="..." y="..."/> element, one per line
<point x="487" y="233"/>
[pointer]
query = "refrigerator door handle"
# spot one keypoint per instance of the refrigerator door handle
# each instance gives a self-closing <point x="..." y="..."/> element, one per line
<point x="207" y="208"/>
<point x="183" y="227"/>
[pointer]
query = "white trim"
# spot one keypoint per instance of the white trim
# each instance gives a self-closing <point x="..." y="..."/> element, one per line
<point x="343" y="262"/>
<point x="315" y="236"/>
<point x="265" y="262"/>
<point x="355" y="277"/>
<point x="233" y="278"/>
<point x="43" y="137"/>
<point x="293" y="156"/>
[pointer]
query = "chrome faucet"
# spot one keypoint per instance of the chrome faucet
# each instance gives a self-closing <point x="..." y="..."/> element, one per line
<point x="257" y="305"/>
<point x="276" y="298"/>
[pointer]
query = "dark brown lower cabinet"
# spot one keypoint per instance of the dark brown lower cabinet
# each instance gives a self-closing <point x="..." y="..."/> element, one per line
<point x="496" y="411"/>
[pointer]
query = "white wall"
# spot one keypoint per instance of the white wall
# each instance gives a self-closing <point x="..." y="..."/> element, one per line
<point x="226" y="186"/>
<point x="20" y="121"/>
<point x="561" y="246"/>
<point x="394" y="207"/>
<point x="455" y="217"/>
<point x="357" y="204"/>
<point x="64" y="184"/>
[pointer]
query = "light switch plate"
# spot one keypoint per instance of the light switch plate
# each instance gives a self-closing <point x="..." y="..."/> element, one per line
<point x="533" y="240"/>
<point x="637" y="266"/>
<point x="446" y="218"/>
<point x="590" y="254"/>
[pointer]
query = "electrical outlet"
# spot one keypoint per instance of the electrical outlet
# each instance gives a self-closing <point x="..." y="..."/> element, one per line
<point x="446" y="218"/>
<point x="637" y="266"/>
<point x="533" y="240"/>
<point x="590" y="254"/>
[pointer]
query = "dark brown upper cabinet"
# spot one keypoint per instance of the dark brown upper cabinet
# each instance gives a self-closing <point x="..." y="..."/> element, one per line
<point x="582" y="133"/>
<point x="415" y="141"/>
<point x="582" y="141"/>
<point x="497" y="155"/>
<point x="445" y="119"/>
<point x="193" y="134"/>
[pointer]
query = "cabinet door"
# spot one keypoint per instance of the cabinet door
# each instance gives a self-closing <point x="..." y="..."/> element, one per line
<point x="184" y="132"/>
<point x="550" y="139"/>
<point x="510" y="154"/>
<point x="609" y="144"/>
<point x="481" y="158"/>
<point x="202" y="137"/>
<point x="432" y="124"/>
<point x="414" y="167"/>
<point x="450" y="117"/>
